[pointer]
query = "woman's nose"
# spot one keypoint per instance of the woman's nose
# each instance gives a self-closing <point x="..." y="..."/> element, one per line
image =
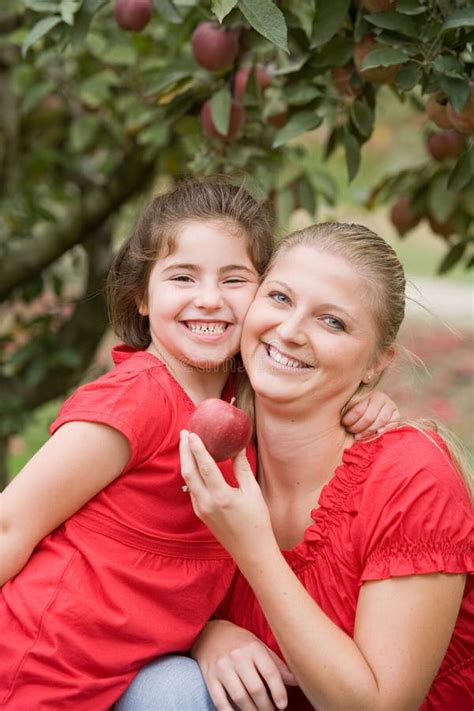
<point x="292" y="330"/>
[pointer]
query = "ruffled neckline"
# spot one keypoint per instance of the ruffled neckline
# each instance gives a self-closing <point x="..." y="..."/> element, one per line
<point x="335" y="499"/>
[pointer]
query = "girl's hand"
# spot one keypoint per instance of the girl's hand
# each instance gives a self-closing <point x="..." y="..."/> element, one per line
<point x="236" y="665"/>
<point x="372" y="415"/>
<point x="238" y="517"/>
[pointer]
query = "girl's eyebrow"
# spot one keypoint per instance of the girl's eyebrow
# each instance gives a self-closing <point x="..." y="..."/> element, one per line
<point x="195" y="268"/>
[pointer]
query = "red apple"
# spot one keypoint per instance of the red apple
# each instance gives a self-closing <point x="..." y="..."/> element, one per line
<point x="278" y="120"/>
<point x="445" y="144"/>
<point x="445" y="229"/>
<point x="346" y="81"/>
<point x="377" y="75"/>
<point x="237" y="120"/>
<point x="214" y="47"/>
<point x="436" y="107"/>
<point x="402" y="215"/>
<point x="224" y="429"/>
<point x="133" y="14"/>
<point x="241" y="78"/>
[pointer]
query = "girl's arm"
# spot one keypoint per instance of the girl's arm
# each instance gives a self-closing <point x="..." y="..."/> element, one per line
<point x="79" y="460"/>
<point x="403" y="625"/>
<point x="374" y="414"/>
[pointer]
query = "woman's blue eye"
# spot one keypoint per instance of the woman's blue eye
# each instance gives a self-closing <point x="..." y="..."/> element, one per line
<point x="334" y="323"/>
<point x="279" y="297"/>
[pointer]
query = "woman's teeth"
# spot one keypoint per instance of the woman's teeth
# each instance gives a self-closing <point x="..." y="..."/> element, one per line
<point x="206" y="328"/>
<point x="278" y="357"/>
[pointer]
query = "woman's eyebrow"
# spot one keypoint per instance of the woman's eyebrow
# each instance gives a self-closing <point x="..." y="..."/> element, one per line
<point x="282" y="284"/>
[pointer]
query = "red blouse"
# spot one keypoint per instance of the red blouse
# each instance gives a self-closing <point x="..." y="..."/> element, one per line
<point x="395" y="506"/>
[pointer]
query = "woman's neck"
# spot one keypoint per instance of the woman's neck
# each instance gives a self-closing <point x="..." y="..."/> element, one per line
<point x="298" y="454"/>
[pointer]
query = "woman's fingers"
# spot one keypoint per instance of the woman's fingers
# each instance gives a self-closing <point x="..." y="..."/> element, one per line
<point x="189" y="470"/>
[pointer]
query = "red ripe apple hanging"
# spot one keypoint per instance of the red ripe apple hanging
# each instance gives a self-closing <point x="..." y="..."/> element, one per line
<point x="463" y="121"/>
<point x="133" y="15"/>
<point x="445" y="144"/>
<point x="237" y="120"/>
<point x="402" y="215"/>
<point x="241" y="78"/>
<point x="214" y="47"/>
<point x="224" y="429"/>
<point x="376" y="75"/>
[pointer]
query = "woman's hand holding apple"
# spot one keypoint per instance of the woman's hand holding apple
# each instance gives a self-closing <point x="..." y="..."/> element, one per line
<point x="238" y="517"/>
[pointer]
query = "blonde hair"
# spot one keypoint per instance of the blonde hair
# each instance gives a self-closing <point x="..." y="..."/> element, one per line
<point x="375" y="260"/>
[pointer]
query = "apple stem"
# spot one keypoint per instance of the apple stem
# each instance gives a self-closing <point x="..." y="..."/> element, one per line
<point x="232" y="401"/>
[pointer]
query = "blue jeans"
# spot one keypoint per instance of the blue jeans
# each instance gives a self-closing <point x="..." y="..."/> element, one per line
<point x="170" y="683"/>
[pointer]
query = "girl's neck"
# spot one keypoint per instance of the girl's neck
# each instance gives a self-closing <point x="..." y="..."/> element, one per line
<point x="197" y="384"/>
<point x="298" y="454"/>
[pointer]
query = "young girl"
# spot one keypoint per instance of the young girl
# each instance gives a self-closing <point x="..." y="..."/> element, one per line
<point x="103" y="563"/>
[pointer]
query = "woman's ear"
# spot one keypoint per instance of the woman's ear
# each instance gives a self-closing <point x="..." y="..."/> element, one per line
<point x="382" y="361"/>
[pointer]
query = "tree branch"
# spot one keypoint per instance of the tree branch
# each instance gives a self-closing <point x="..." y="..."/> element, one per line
<point x="28" y="257"/>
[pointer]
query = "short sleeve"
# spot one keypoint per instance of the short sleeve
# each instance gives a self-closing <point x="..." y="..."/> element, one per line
<point x="134" y="403"/>
<point x="415" y="515"/>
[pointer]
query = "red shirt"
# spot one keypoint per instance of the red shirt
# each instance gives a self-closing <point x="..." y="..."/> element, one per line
<point x="396" y="506"/>
<point x="132" y="575"/>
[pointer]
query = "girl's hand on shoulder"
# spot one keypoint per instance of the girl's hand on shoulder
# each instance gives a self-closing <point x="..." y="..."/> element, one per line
<point x="236" y="665"/>
<point x="373" y="415"/>
<point x="238" y="517"/>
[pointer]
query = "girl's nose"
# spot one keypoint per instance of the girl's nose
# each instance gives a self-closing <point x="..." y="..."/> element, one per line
<point x="208" y="297"/>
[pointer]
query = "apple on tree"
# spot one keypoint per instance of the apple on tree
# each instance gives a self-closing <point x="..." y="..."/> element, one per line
<point x="236" y="121"/>
<point x="445" y="144"/>
<point x="132" y="15"/>
<point x="241" y="78"/>
<point x="224" y="429"/>
<point x="213" y="47"/>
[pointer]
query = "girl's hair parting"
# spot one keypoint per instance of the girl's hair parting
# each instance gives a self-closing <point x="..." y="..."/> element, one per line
<point x="155" y="234"/>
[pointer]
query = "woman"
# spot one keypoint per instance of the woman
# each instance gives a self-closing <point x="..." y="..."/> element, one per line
<point x="348" y="551"/>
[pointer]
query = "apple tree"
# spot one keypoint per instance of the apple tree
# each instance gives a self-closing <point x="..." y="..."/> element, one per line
<point x="104" y="101"/>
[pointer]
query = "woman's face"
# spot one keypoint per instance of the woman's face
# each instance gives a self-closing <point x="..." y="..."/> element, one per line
<point x="310" y="334"/>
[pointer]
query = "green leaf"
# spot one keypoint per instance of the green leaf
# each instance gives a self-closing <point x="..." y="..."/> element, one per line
<point x="68" y="10"/>
<point x="441" y="201"/>
<point x="408" y="76"/>
<point x="266" y="19"/>
<point x="83" y="132"/>
<point x="330" y="16"/>
<point x="462" y="17"/>
<point x="306" y="195"/>
<point x="168" y="11"/>
<point x="353" y="156"/>
<point x="462" y="172"/>
<point x="394" y="21"/>
<point x="335" y="53"/>
<point x="39" y="30"/>
<point x="304" y="11"/>
<point x="120" y="54"/>
<point x="35" y="94"/>
<point x="297" y="124"/>
<point x="384" y="57"/>
<point x="301" y="93"/>
<point x="221" y="8"/>
<point x="448" y="65"/>
<point x="452" y="258"/>
<point x="456" y="89"/>
<point x="411" y="7"/>
<point x="362" y="116"/>
<point x="220" y="110"/>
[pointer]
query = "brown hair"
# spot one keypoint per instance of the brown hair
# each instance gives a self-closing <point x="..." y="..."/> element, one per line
<point x="155" y="236"/>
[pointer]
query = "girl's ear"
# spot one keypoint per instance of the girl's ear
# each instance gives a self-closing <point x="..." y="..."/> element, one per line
<point x="382" y="361"/>
<point x="142" y="305"/>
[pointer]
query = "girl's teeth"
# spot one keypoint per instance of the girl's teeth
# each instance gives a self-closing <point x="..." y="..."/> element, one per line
<point x="206" y="328"/>
<point x="278" y="357"/>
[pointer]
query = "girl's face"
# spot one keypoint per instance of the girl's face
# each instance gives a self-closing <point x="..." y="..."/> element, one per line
<point x="309" y="335"/>
<point x="198" y="296"/>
